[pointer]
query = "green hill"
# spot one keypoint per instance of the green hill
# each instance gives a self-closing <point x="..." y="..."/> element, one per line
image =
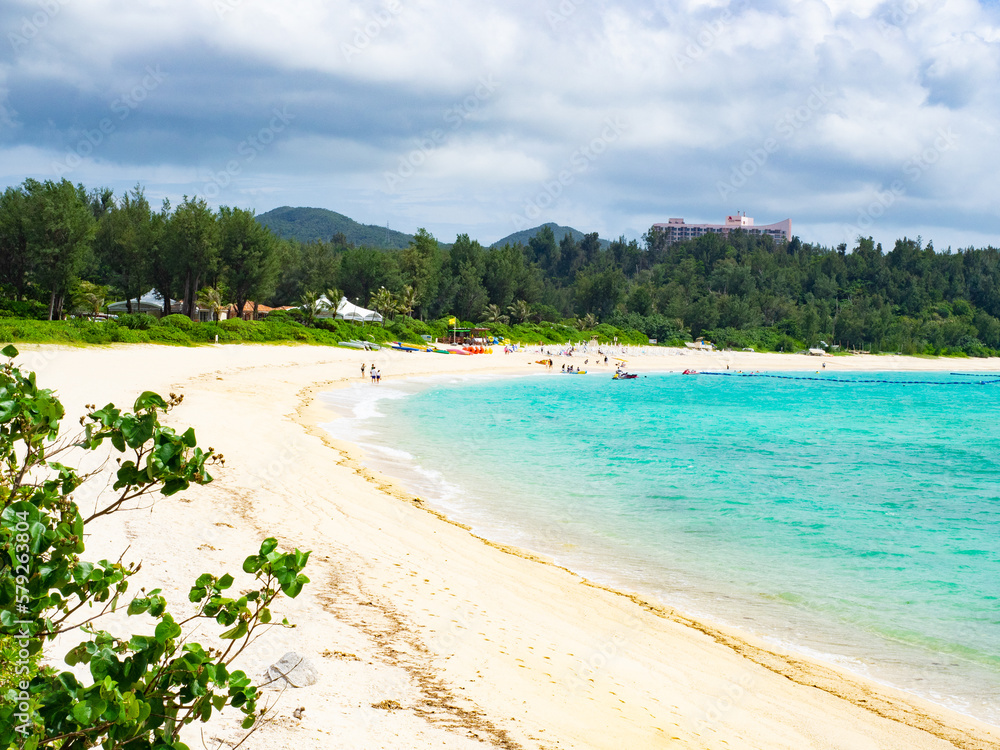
<point x="309" y="224"/>
<point x="526" y="234"/>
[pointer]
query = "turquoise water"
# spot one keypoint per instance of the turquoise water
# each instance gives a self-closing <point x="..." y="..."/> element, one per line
<point x="857" y="521"/>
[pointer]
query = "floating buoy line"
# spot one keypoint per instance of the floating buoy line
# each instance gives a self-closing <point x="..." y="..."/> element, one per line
<point x="994" y="380"/>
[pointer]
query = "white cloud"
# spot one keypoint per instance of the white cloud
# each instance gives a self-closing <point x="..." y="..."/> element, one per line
<point x="700" y="85"/>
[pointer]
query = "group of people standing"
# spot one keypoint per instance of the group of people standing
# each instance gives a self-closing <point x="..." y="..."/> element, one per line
<point x="376" y="375"/>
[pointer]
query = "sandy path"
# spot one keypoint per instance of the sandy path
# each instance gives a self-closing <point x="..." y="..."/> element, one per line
<point x="478" y="645"/>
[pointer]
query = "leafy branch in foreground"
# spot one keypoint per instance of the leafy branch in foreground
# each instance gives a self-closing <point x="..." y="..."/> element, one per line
<point x="142" y="690"/>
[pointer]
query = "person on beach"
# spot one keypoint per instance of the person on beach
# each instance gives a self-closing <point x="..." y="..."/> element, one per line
<point x="371" y="371"/>
<point x="378" y="377"/>
<point x="362" y="370"/>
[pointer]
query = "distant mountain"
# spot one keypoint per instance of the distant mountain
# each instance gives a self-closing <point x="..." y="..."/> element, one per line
<point x="526" y="234"/>
<point x="309" y="224"/>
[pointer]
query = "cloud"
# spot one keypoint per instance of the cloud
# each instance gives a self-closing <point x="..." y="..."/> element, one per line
<point x="370" y="88"/>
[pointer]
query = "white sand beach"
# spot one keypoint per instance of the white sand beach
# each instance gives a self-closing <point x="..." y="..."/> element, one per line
<point x="426" y="636"/>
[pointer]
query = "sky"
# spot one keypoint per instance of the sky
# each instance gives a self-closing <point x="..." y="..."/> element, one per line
<point x="849" y="117"/>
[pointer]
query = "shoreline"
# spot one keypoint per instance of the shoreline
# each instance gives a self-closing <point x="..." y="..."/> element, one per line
<point x="675" y="672"/>
<point x="783" y="657"/>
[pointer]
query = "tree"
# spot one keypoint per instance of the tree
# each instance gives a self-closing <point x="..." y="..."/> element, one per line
<point x="16" y="261"/>
<point x="519" y="311"/>
<point x="126" y="236"/>
<point x="363" y="270"/>
<point x="330" y="300"/>
<point x="600" y="291"/>
<point x="192" y="239"/>
<point x="161" y="265"/>
<point x="543" y="250"/>
<point x="60" y="227"/>
<point x="420" y="263"/>
<point x="304" y="266"/>
<point x="407" y="300"/>
<point x="141" y="690"/>
<point x="210" y="298"/>
<point x="89" y="298"/>
<point x="311" y="306"/>
<point x="383" y="302"/>
<point x="470" y="295"/>
<point x="508" y="276"/>
<point x="248" y="252"/>
<point x="495" y="315"/>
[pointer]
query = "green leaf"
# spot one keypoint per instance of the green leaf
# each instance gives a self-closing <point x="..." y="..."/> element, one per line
<point x="83" y="713"/>
<point x="238" y="632"/>
<point x="166" y="629"/>
<point x="103" y="664"/>
<point x="149" y="399"/>
<point x="225" y="582"/>
<point x="268" y="546"/>
<point x="8" y="409"/>
<point x="9" y="351"/>
<point x="173" y="486"/>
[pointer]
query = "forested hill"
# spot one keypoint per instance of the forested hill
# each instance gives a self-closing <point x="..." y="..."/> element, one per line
<point x="525" y="235"/>
<point x="738" y="290"/>
<point x="311" y="224"/>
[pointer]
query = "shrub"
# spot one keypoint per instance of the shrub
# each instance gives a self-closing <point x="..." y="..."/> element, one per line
<point x="129" y="336"/>
<point x="177" y="321"/>
<point x="136" y="321"/>
<point x="277" y="316"/>
<point x="141" y="690"/>
<point x="167" y="335"/>
<point x="28" y="309"/>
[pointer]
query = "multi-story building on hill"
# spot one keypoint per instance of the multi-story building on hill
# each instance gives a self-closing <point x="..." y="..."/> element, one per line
<point x="677" y="231"/>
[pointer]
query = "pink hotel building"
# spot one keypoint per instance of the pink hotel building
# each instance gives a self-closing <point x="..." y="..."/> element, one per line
<point x="677" y="231"/>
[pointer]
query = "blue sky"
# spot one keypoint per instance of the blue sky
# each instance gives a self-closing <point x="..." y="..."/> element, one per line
<point x="849" y="117"/>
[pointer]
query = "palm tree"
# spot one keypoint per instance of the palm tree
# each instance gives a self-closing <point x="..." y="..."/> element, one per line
<point x="407" y="299"/>
<point x="588" y="322"/>
<point x="209" y="298"/>
<point x="89" y="297"/>
<point x="495" y="315"/>
<point x="333" y="296"/>
<point x="519" y="310"/>
<point x="383" y="302"/>
<point x="311" y="306"/>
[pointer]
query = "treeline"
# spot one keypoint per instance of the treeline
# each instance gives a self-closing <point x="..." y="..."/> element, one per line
<point x="64" y="249"/>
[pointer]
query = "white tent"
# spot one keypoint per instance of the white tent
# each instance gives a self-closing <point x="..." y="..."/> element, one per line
<point x="347" y="311"/>
<point x="151" y="302"/>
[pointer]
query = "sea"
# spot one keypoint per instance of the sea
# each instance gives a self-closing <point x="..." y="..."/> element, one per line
<point x="854" y="518"/>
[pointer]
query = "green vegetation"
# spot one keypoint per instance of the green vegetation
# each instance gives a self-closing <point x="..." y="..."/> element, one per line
<point x="524" y="236"/>
<point x="321" y="225"/>
<point x="137" y="691"/>
<point x="738" y="290"/>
